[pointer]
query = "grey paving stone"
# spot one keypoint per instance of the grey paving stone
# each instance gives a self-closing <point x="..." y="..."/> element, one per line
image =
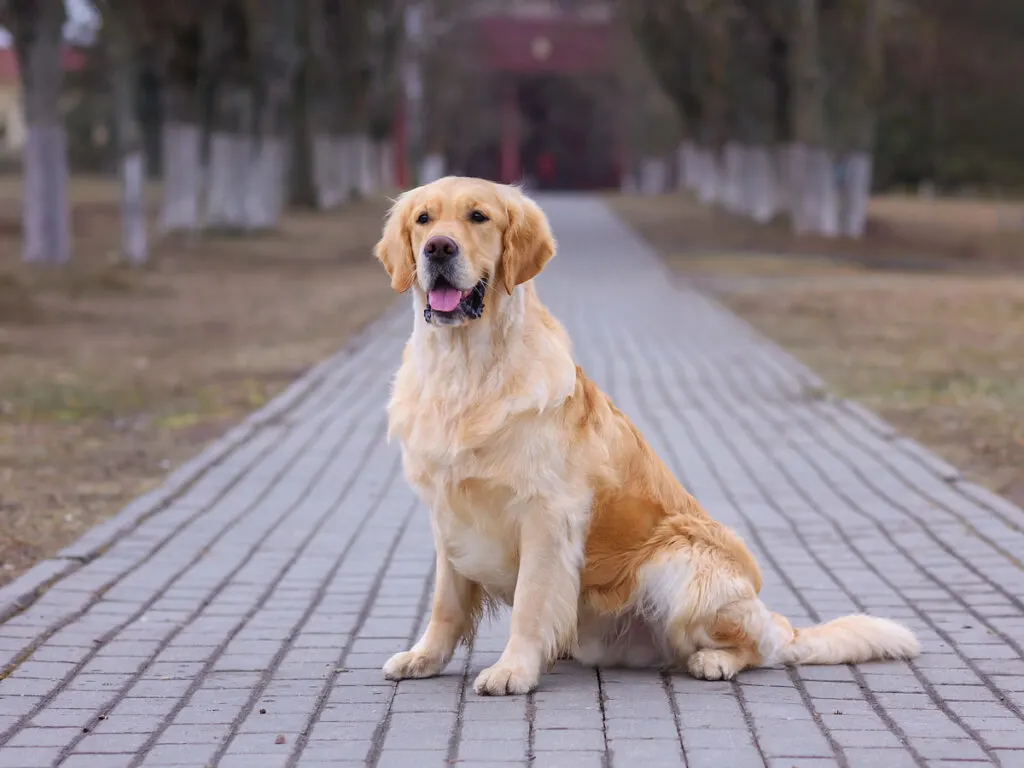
<point x="499" y="750"/>
<point x="28" y="757"/>
<point x="746" y="757"/>
<point x="97" y="761"/>
<point x="873" y="758"/>
<point x="647" y="752"/>
<point x="564" y="739"/>
<point x="43" y="737"/>
<point x="569" y="759"/>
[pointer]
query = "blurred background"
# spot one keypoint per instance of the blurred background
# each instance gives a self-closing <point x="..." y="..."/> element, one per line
<point x="189" y="192"/>
<point x="240" y="109"/>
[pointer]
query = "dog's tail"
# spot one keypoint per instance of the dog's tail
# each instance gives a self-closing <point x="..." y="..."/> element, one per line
<point x="847" y="640"/>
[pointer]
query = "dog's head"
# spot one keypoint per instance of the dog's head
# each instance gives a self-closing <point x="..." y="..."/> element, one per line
<point x="460" y="240"/>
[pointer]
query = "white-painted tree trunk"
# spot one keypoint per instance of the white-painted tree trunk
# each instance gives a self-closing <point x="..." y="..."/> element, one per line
<point x="431" y="168"/>
<point x="231" y="157"/>
<point x="266" y="185"/>
<point x="369" y="177"/>
<point x="133" y="207"/>
<point x="761" y="184"/>
<point x="369" y="181"/>
<point x="122" y="54"/>
<point x="653" y="176"/>
<point x="856" y="193"/>
<point x="824" y="173"/>
<point x="326" y="169"/>
<point x="731" y="192"/>
<point x="183" y="177"/>
<point x="46" y="218"/>
<point x="712" y="177"/>
<point x="385" y="160"/>
<point x="681" y="167"/>
<point x="347" y="158"/>
<point x="815" y="193"/>
<point x="780" y="156"/>
<point x="688" y="175"/>
<point x="746" y="181"/>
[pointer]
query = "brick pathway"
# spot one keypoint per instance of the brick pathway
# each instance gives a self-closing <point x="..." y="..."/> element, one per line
<point x="239" y="615"/>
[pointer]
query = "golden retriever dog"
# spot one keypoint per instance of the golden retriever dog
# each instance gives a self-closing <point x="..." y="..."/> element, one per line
<point x="542" y="494"/>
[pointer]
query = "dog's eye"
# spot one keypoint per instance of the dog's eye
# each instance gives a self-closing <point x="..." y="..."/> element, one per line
<point x="423" y="218"/>
<point x="478" y="217"/>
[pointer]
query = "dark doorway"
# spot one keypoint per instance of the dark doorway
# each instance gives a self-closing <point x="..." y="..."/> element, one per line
<point x="563" y="131"/>
<point x="567" y="132"/>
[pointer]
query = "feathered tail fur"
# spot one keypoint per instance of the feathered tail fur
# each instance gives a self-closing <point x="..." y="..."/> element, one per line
<point x="847" y="640"/>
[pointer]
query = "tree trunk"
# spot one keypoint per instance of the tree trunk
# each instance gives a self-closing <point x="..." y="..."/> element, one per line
<point x="274" y="59"/>
<point x="131" y="162"/>
<point x="763" y="183"/>
<point x="733" y="191"/>
<point x="857" y="171"/>
<point x="712" y="176"/>
<point x="857" y="83"/>
<point x="46" y="218"/>
<point x="386" y="164"/>
<point x="232" y="153"/>
<point x="302" y="174"/>
<point x="431" y="167"/>
<point x="181" y="161"/>
<point x="816" y="203"/>
<point x="812" y="171"/>
<point x="653" y="176"/>
<point x="780" y="157"/>
<point x="367" y="177"/>
<point x="326" y="170"/>
<point x="267" y="182"/>
<point x="346" y="150"/>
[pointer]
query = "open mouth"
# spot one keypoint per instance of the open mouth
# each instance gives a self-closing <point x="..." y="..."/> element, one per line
<point x="446" y="302"/>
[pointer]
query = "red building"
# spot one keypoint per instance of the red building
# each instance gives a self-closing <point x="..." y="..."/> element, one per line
<point x="551" y="67"/>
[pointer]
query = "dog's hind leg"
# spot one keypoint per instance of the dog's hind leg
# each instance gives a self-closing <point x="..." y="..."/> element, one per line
<point x="727" y="644"/>
<point x="710" y="612"/>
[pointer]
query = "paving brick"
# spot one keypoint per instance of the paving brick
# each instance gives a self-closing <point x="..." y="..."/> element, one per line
<point x="745" y="757"/>
<point x="43" y="737"/>
<point x="494" y="730"/>
<point x="112" y="743"/>
<point x="646" y="752"/>
<point x="28" y="757"/>
<point x="499" y="750"/>
<point x="874" y="758"/>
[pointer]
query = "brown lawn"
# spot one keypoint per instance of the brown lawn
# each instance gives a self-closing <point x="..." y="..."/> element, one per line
<point x="110" y="377"/>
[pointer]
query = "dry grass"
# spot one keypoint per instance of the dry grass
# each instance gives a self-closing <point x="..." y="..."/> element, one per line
<point x="939" y="354"/>
<point x="110" y="377"/>
<point x="902" y="232"/>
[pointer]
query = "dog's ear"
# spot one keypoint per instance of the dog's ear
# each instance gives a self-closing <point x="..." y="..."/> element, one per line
<point x="394" y="250"/>
<point x="528" y="242"/>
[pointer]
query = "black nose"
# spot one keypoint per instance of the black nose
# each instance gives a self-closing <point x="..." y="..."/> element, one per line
<point x="440" y="248"/>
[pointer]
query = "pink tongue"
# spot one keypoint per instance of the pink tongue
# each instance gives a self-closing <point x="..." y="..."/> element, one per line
<point x="444" y="299"/>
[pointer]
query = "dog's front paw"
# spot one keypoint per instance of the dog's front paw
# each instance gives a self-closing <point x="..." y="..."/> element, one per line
<point x="711" y="664"/>
<point x="408" y="664"/>
<point x="506" y="678"/>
